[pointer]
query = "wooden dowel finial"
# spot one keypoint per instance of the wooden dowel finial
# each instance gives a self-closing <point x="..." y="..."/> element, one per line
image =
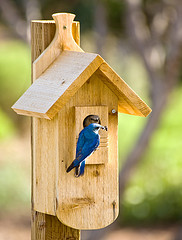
<point x="64" y="35"/>
<point x="63" y="40"/>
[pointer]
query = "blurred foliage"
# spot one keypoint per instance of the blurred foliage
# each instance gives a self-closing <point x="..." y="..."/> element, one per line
<point x="84" y="11"/>
<point x="15" y="72"/>
<point x="116" y="16"/>
<point x="154" y="193"/>
<point x="14" y="186"/>
<point x="7" y="127"/>
<point x="15" y="75"/>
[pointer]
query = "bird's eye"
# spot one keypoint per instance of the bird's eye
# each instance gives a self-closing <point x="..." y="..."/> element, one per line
<point x="95" y="120"/>
<point x="97" y="128"/>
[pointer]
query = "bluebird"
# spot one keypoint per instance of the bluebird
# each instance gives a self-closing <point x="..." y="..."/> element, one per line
<point x="88" y="141"/>
<point x="91" y="119"/>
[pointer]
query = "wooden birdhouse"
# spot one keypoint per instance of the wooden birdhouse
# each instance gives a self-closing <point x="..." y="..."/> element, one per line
<point x="68" y="85"/>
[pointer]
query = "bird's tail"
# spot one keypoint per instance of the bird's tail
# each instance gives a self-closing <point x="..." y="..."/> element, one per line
<point x="82" y="167"/>
<point x="73" y="165"/>
<point x="79" y="170"/>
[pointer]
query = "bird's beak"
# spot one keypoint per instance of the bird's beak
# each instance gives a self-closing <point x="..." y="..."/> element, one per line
<point x="104" y="128"/>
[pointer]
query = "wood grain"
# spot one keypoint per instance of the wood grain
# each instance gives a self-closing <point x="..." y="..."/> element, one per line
<point x="45" y="227"/>
<point x="63" y="40"/>
<point x="54" y="88"/>
<point x="45" y="158"/>
<point x="78" y="204"/>
<point x="87" y="202"/>
<point x="71" y="69"/>
<point x="50" y="228"/>
<point x="129" y="102"/>
<point x="57" y="84"/>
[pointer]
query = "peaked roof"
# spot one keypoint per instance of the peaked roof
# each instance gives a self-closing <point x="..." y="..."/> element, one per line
<point x="51" y="91"/>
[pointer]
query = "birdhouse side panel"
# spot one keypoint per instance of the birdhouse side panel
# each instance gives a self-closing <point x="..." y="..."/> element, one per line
<point x="89" y="201"/>
<point x="45" y="154"/>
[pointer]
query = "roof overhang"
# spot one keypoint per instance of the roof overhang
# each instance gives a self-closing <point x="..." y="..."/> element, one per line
<point x="53" y="89"/>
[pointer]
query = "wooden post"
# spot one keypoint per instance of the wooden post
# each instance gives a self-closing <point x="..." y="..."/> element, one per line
<point x="43" y="226"/>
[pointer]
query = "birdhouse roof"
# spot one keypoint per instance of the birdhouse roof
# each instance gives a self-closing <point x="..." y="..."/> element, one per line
<point x="62" y="79"/>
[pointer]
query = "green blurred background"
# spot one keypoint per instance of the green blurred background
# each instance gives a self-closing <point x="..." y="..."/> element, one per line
<point x="152" y="191"/>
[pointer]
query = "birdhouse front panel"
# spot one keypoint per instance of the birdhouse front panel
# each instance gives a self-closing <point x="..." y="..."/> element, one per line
<point x="89" y="201"/>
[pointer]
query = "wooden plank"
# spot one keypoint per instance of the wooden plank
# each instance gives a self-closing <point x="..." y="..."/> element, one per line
<point x="50" y="228"/>
<point x="45" y="155"/>
<point x="63" y="78"/>
<point x="100" y="156"/>
<point x="57" y="84"/>
<point x="129" y="102"/>
<point x="90" y="201"/>
<point x="43" y="32"/>
<point x="76" y="32"/>
<point x="63" y="40"/>
<point x="44" y="226"/>
<point x="81" y="197"/>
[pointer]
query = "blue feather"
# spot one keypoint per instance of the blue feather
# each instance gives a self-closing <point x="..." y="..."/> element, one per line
<point x="87" y="143"/>
<point x="80" y="169"/>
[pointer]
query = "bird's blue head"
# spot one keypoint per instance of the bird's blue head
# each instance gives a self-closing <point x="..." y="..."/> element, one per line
<point x="95" y="127"/>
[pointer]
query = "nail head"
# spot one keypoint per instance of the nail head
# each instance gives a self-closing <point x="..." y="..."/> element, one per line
<point x="113" y="111"/>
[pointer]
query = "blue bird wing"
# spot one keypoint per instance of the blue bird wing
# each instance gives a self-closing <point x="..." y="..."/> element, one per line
<point x="80" y="142"/>
<point x="85" y="146"/>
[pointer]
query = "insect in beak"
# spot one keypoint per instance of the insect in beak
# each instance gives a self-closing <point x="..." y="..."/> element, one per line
<point x="104" y="128"/>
